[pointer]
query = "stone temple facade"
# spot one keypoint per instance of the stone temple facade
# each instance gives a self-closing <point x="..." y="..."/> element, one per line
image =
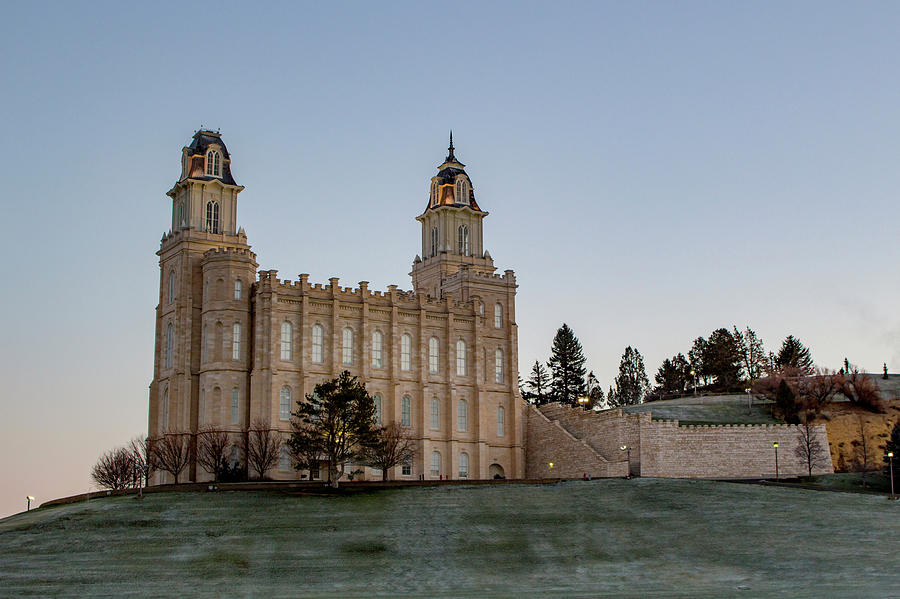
<point x="235" y="345"/>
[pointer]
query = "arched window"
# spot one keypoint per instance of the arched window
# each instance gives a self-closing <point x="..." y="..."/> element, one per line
<point x="462" y="192"/>
<point x="377" y="350"/>
<point x="236" y="341"/>
<point x="377" y="400"/>
<point x="435" y="464"/>
<point x="460" y="358"/>
<point x="464" y="465"/>
<point x="165" y="409"/>
<point x="405" y="352"/>
<point x="433" y="355"/>
<point x="498" y="316"/>
<point x="171" y="286"/>
<point x="287" y="341"/>
<point x="213" y="164"/>
<point x="498" y="365"/>
<point x="212" y="217"/>
<point x="238" y="288"/>
<point x="347" y="346"/>
<point x="501" y="421"/>
<point x="317" y="335"/>
<point x="201" y="415"/>
<point x="434" y="193"/>
<point x="462" y="415"/>
<point x="405" y="409"/>
<point x="284" y="403"/>
<point x="435" y="413"/>
<point x="170" y="344"/>
<point x="235" y="405"/>
<point x="284" y="461"/>
<point x="462" y="239"/>
<point x="434" y="241"/>
<point x="406" y="468"/>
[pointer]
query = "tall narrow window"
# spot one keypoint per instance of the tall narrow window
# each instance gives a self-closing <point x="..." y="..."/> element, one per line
<point x="170" y="344"/>
<point x="377" y="400"/>
<point x="377" y="350"/>
<point x="213" y="164"/>
<point x="212" y="217"/>
<point x="405" y="409"/>
<point x="434" y="193"/>
<point x="238" y="288"/>
<point x="204" y="344"/>
<point x="284" y="403"/>
<point x="165" y="409"/>
<point x="406" y="468"/>
<point x="179" y="216"/>
<point x="460" y="358"/>
<point x="464" y="465"/>
<point x="317" y="335"/>
<point x="287" y="340"/>
<point x="235" y="405"/>
<point x="236" y="341"/>
<point x="435" y="464"/>
<point x="284" y="461"/>
<point x="201" y="412"/>
<point x="171" y="286"/>
<point x="434" y="241"/>
<point x="462" y="415"/>
<point x="435" y="413"/>
<point x="433" y="355"/>
<point x="462" y="239"/>
<point x="347" y="347"/>
<point x="498" y="366"/>
<point x="498" y="316"/>
<point x="501" y="421"/>
<point x="405" y="351"/>
<point x="462" y="192"/>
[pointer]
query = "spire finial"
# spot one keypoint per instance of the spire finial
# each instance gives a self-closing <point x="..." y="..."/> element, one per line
<point x="450" y="156"/>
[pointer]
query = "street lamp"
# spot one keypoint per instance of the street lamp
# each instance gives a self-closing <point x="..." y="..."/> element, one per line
<point x="891" y="462"/>
<point x="775" y="445"/>
<point x="583" y="401"/>
<point x="29" y="499"/>
<point x="628" y="449"/>
<point x="694" y="374"/>
<point x="749" y="401"/>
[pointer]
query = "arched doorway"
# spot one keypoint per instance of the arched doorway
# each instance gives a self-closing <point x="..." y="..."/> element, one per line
<point x="495" y="472"/>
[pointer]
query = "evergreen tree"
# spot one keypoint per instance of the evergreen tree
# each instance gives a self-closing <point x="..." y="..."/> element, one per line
<point x="631" y="383"/>
<point x="786" y="403"/>
<point x="567" y="367"/>
<point x="722" y="359"/>
<point x="794" y="354"/>
<point x="539" y="384"/>
<point x="695" y="357"/>
<point x="753" y="355"/>
<point x="594" y="390"/>
<point x="611" y="399"/>
<point x="674" y="374"/>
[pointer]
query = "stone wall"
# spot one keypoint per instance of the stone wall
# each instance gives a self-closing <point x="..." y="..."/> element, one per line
<point x="547" y="442"/>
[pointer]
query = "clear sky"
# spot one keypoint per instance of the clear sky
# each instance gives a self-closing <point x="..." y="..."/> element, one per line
<point x="653" y="171"/>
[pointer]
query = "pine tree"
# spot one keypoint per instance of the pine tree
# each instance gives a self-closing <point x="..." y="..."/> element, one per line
<point x="722" y="359"/>
<point x="793" y="353"/>
<point x="594" y="390"/>
<point x="673" y="375"/>
<point x="631" y="383"/>
<point x="752" y="352"/>
<point x="786" y="403"/>
<point x="539" y="383"/>
<point x="567" y="367"/>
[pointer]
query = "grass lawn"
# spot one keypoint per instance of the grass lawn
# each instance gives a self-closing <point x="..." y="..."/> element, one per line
<point x="617" y="538"/>
<point x="712" y="409"/>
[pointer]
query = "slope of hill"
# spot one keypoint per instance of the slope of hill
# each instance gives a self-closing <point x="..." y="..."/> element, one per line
<point x="642" y="537"/>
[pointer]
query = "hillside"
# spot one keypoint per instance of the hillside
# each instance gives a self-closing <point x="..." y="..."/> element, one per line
<point x="618" y="538"/>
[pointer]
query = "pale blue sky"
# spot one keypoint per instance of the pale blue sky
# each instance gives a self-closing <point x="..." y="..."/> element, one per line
<point x="653" y="171"/>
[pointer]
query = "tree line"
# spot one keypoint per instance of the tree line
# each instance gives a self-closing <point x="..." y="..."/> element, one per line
<point x="335" y="425"/>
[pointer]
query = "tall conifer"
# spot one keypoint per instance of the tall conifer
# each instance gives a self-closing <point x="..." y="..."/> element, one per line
<point x="566" y="367"/>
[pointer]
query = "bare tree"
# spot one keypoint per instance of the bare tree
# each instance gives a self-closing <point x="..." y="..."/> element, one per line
<point x="171" y="453"/>
<point x="862" y="390"/>
<point x="390" y="447"/>
<point x="263" y="447"/>
<point x="816" y="391"/>
<point x="863" y="449"/>
<point x="114" y="470"/>
<point x="213" y="450"/>
<point x="143" y="458"/>
<point x="809" y="448"/>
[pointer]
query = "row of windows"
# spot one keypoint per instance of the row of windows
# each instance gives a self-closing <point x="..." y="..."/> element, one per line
<point x="436" y="464"/>
<point x="461" y="189"/>
<point x="238" y="288"/>
<point x="235" y="406"/>
<point x="462" y="241"/>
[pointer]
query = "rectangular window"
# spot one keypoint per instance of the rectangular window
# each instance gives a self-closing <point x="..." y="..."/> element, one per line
<point x="314" y="472"/>
<point x="317" y="335"/>
<point x="501" y="421"/>
<point x="405" y="409"/>
<point x="235" y="405"/>
<point x="347" y="347"/>
<point x="460" y="358"/>
<point x="462" y="416"/>
<point x="287" y="340"/>
<point x="405" y="351"/>
<point x="433" y="355"/>
<point x="498" y="366"/>
<point x="406" y="469"/>
<point x="285" y="462"/>
<point x="377" y="400"/>
<point x="435" y="413"/>
<point x="236" y="342"/>
<point x="377" y="361"/>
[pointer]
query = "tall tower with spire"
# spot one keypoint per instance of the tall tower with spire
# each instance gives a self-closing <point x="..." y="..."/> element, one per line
<point x="452" y="232"/>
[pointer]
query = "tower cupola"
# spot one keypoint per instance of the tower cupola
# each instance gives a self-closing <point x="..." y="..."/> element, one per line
<point x="206" y="158"/>
<point x="452" y="186"/>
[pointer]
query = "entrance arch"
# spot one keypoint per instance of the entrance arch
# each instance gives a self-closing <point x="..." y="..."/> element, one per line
<point x="495" y="472"/>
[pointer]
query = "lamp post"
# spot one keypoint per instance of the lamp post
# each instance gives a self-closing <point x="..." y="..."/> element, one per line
<point x="583" y="401"/>
<point x="775" y="445"/>
<point x="628" y="449"/>
<point x="694" y="374"/>
<point x="28" y="499"/>
<point x="749" y="401"/>
<point x="891" y="462"/>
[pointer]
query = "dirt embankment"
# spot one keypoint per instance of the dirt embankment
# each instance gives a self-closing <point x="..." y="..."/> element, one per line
<point x="844" y="437"/>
